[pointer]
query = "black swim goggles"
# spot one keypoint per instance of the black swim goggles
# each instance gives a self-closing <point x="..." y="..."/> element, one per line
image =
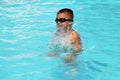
<point x="61" y="20"/>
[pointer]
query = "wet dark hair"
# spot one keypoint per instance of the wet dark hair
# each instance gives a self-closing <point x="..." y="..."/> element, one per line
<point x="68" y="11"/>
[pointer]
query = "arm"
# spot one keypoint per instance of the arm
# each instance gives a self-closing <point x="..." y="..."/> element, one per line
<point x="77" y="42"/>
<point x="53" y="53"/>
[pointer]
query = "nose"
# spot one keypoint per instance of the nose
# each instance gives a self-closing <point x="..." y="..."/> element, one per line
<point x="58" y="22"/>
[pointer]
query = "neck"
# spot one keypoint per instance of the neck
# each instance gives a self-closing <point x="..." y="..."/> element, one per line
<point x="69" y="29"/>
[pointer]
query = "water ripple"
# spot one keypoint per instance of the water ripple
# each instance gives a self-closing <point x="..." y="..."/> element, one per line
<point x="20" y="56"/>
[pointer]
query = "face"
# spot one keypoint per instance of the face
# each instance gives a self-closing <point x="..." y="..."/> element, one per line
<point x="65" y="24"/>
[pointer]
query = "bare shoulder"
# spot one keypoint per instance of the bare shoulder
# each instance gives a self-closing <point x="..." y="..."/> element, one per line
<point x="76" y="37"/>
<point x="75" y="34"/>
<point x="77" y="41"/>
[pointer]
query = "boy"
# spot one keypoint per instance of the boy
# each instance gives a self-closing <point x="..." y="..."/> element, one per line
<point x="66" y="39"/>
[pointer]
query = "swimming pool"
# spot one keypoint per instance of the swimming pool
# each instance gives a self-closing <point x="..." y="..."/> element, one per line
<point x="26" y="27"/>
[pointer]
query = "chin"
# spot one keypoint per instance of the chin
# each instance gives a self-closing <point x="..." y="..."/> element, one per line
<point x="61" y="29"/>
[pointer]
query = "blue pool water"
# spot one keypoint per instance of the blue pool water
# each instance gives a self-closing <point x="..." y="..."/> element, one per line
<point x="27" y="25"/>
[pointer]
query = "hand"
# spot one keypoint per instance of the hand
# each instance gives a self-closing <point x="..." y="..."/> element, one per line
<point x="69" y="58"/>
<point x="52" y="54"/>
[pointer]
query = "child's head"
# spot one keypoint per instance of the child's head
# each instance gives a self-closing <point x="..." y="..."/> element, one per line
<point x="64" y="19"/>
<point x="69" y="12"/>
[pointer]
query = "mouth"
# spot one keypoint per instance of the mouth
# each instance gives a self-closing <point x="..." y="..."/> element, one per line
<point x="60" y="28"/>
